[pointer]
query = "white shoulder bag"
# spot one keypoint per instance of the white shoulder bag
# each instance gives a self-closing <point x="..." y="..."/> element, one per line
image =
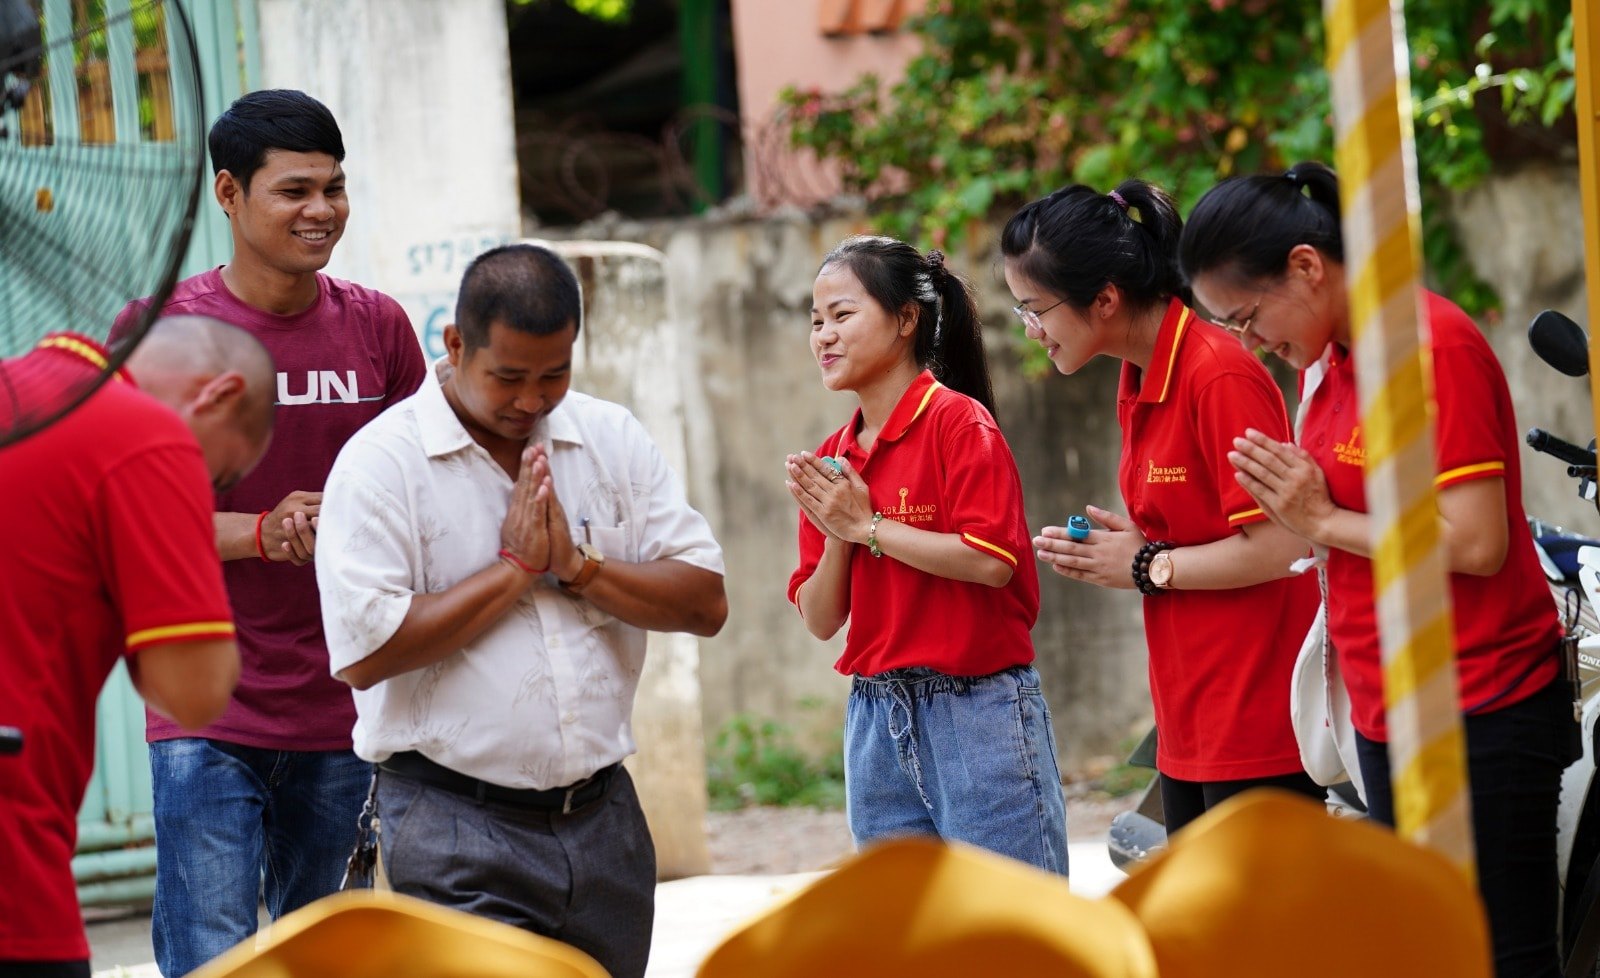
<point x="1319" y="706"/>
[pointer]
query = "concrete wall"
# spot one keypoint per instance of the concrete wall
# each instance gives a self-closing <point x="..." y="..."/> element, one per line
<point x="742" y="290"/>
<point x="742" y="293"/>
<point x="1523" y="234"/>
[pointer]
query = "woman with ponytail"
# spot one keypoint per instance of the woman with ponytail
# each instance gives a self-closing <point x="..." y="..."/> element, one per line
<point x="912" y="529"/>
<point x="1265" y="253"/>
<point x="1097" y="275"/>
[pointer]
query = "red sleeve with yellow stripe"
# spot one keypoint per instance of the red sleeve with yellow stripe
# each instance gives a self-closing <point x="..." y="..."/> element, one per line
<point x="1226" y="407"/>
<point x="1473" y="408"/>
<point x="984" y="491"/>
<point x="157" y="547"/>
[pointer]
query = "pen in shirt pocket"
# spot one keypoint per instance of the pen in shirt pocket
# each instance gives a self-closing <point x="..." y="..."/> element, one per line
<point x="585" y="524"/>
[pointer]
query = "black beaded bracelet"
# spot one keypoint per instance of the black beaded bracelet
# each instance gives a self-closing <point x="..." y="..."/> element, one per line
<point x="1141" y="566"/>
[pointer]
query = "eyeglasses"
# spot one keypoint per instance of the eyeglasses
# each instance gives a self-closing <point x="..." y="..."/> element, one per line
<point x="1238" y="327"/>
<point x="1029" y="317"/>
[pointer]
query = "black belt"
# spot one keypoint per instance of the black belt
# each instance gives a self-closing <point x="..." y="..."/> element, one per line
<point x="410" y="764"/>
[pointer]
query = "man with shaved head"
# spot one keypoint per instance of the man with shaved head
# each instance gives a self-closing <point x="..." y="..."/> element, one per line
<point x="110" y="554"/>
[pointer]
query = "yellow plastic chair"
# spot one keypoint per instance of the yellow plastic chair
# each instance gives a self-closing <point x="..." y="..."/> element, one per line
<point x="366" y="934"/>
<point x="1269" y="884"/>
<point x="926" y="909"/>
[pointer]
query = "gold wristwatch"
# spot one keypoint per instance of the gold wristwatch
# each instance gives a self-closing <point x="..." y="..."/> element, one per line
<point x="1161" y="570"/>
<point x="593" y="560"/>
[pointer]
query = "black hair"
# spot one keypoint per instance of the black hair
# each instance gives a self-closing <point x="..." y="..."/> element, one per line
<point x="523" y="287"/>
<point x="1247" y="226"/>
<point x="949" y="336"/>
<point x="274" y="118"/>
<point x="1077" y="241"/>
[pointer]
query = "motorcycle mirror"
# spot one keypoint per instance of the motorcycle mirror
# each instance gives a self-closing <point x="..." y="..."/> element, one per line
<point x="1560" y="342"/>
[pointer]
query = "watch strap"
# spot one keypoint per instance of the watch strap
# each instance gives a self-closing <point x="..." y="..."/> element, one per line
<point x="592" y="562"/>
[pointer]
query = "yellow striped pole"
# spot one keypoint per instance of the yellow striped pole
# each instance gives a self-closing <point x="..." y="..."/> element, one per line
<point x="1376" y="160"/>
<point x="1585" y="48"/>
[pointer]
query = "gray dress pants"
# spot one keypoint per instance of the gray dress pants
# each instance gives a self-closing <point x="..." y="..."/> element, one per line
<point x="586" y="878"/>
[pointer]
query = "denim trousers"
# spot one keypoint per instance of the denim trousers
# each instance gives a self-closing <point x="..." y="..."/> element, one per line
<point x="586" y="877"/>
<point x="968" y="759"/>
<point x="238" y="824"/>
<point x="1514" y="758"/>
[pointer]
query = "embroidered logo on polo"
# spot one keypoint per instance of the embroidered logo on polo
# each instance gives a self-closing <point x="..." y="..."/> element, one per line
<point x="911" y="512"/>
<point x="1166" y="473"/>
<point x="324" y="387"/>
<point x="1351" y="451"/>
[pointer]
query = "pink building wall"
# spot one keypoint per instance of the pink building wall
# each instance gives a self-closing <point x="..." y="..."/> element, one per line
<point x="778" y="43"/>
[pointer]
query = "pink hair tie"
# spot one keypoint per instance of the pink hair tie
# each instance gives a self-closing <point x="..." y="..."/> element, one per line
<point x="1120" y="202"/>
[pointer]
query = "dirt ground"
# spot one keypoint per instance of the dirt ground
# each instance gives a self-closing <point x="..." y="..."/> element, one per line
<point x="794" y="840"/>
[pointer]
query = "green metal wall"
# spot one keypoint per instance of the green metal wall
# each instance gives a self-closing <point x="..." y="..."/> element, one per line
<point x="115" y="862"/>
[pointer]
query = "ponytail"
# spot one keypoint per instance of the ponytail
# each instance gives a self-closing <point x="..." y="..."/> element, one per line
<point x="1248" y="225"/>
<point x="949" y="337"/>
<point x="1077" y="241"/>
<point x="958" y="358"/>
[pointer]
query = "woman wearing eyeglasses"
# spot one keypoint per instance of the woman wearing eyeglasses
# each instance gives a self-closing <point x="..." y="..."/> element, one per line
<point x="1269" y="250"/>
<point x="1097" y="275"/>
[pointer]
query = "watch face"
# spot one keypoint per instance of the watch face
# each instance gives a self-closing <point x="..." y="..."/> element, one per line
<point x="591" y="552"/>
<point x="1161" y="569"/>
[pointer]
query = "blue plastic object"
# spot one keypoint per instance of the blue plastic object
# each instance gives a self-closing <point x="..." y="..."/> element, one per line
<point x="1078" y="528"/>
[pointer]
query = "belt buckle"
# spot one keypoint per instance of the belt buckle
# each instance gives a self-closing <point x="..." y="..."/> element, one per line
<point x="572" y="789"/>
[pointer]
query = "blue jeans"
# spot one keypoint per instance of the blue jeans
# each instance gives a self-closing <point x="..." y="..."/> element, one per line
<point x="969" y="759"/>
<point x="234" y="823"/>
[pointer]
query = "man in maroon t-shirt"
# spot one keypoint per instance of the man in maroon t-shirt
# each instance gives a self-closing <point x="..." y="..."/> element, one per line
<point x="272" y="790"/>
<point x="109" y="555"/>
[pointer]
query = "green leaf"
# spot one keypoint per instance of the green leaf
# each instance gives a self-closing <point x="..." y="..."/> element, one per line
<point x="975" y="197"/>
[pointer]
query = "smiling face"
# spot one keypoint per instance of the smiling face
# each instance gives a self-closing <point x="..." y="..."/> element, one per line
<point x="1068" y="335"/>
<point x="501" y="390"/>
<point x="1294" y="317"/>
<point x="856" y="341"/>
<point x="291" y="215"/>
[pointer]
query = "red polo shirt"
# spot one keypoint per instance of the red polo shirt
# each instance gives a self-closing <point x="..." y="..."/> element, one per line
<point x="1220" y="661"/>
<point x="939" y="464"/>
<point x="109" y="548"/>
<point x="1505" y="624"/>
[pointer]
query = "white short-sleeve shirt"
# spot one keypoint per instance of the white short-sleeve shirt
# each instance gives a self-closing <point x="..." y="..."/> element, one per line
<point x="413" y="506"/>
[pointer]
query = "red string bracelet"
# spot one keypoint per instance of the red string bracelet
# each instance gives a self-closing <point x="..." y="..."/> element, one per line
<point x="518" y="563"/>
<point x="261" y="551"/>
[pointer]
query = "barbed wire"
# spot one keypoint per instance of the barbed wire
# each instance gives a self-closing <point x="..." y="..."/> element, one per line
<point x="574" y="166"/>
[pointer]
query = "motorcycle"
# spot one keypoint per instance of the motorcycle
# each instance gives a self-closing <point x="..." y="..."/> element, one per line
<point x="1571" y="564"/>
